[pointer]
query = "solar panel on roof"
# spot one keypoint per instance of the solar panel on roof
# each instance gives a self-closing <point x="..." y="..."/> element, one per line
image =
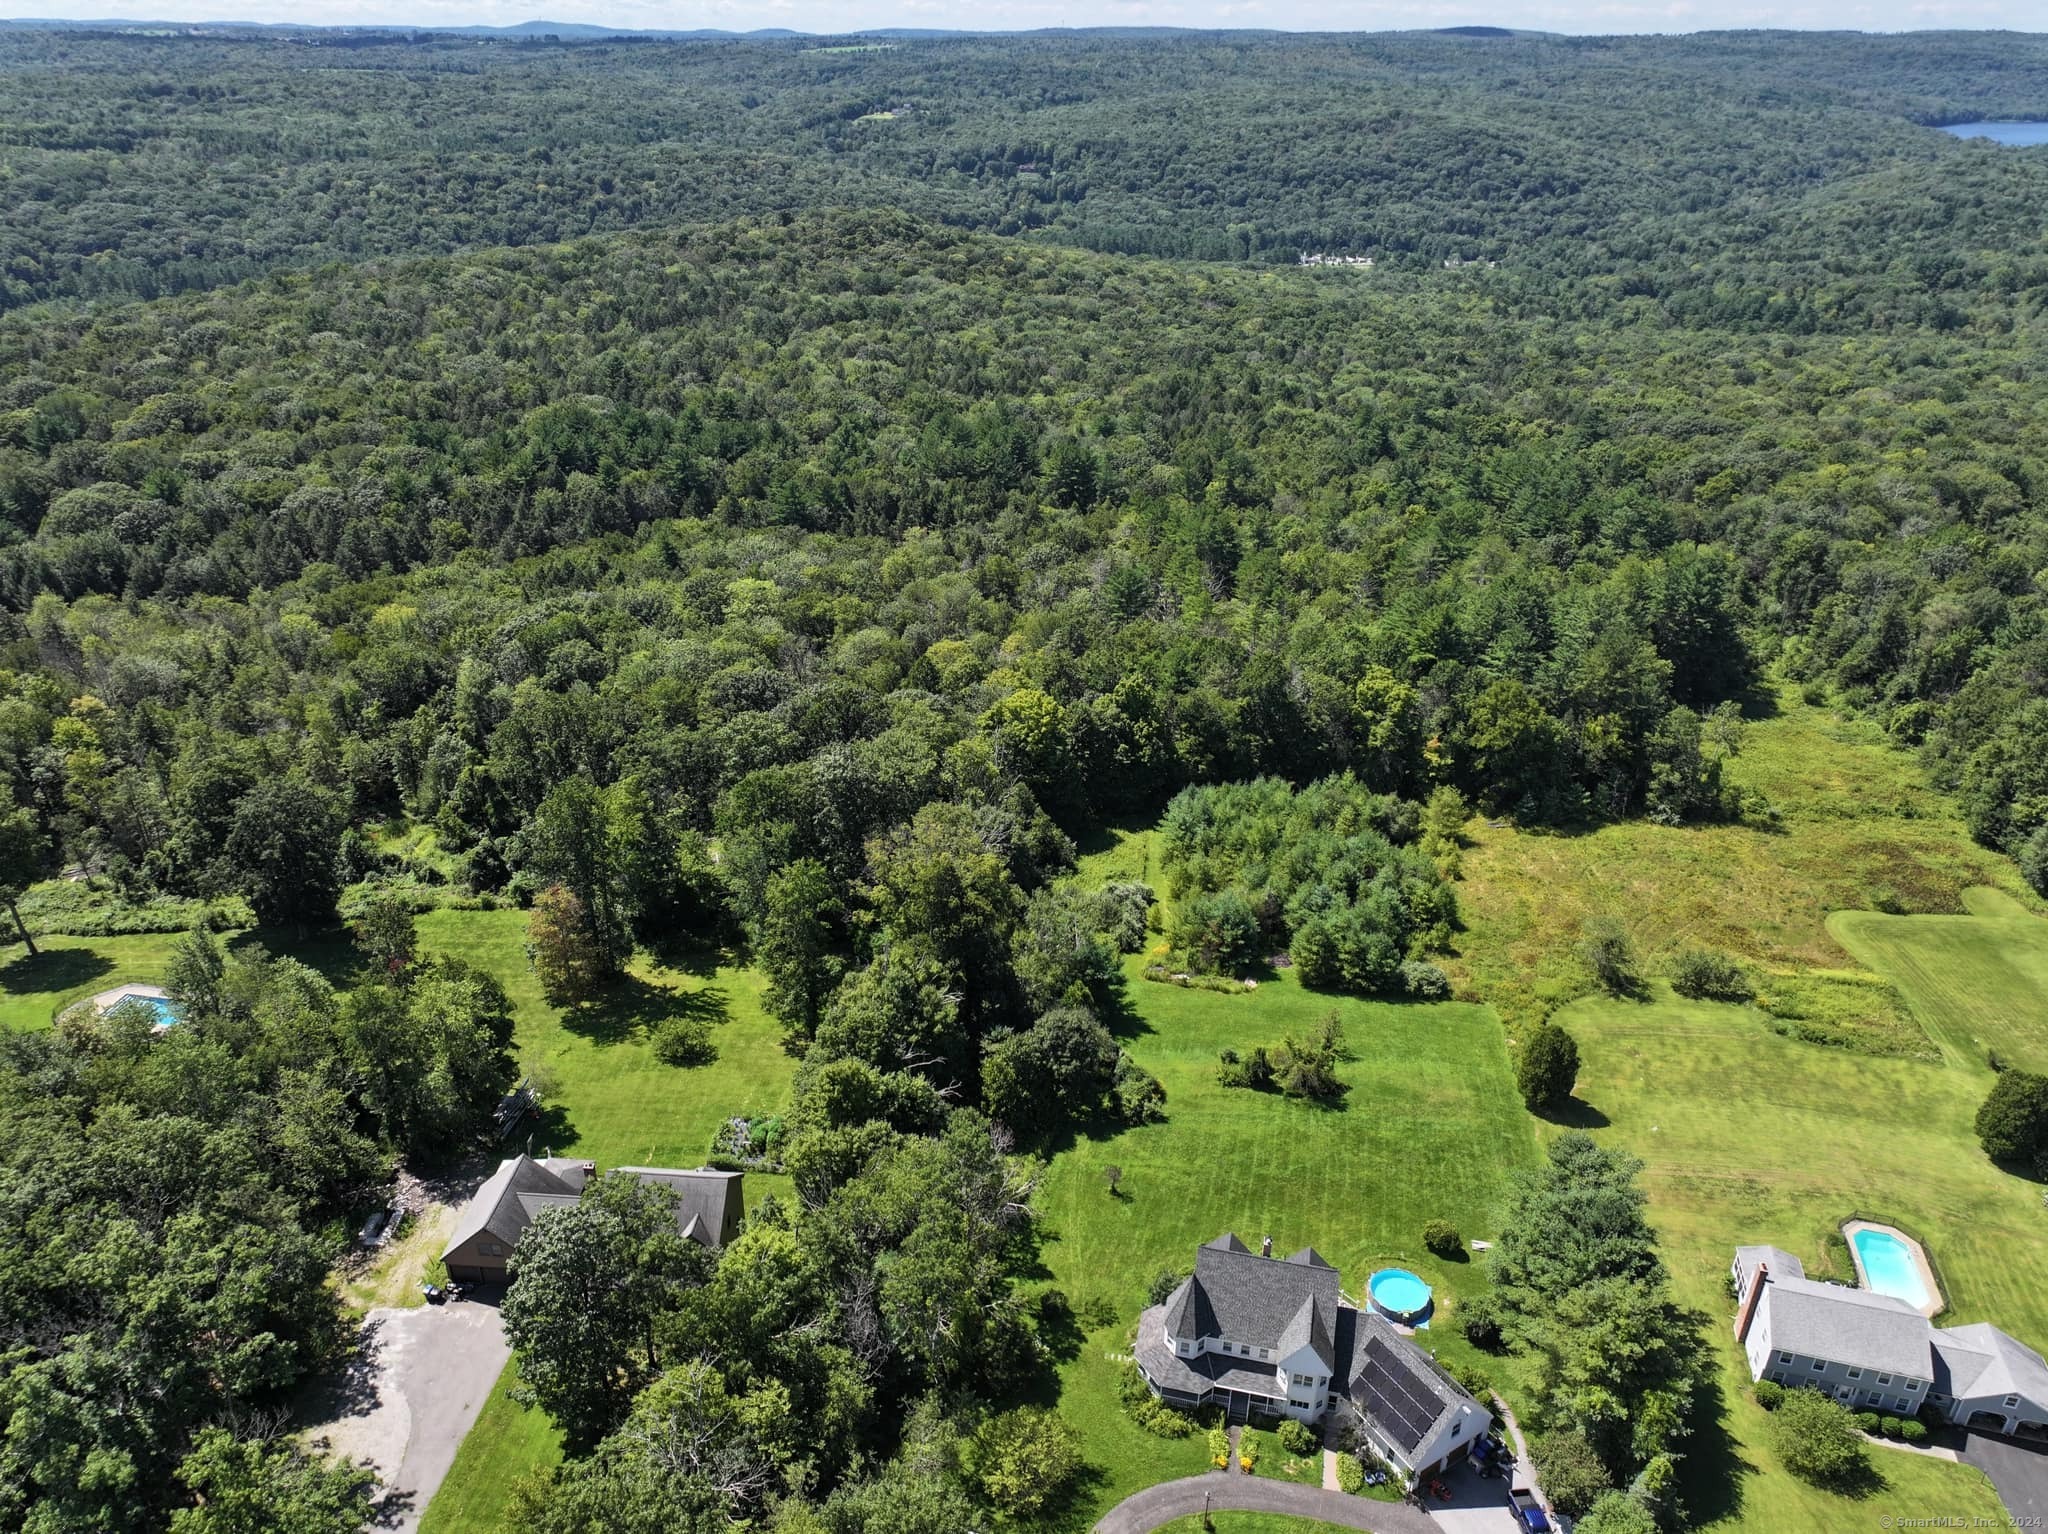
<point x="1395" y="1396"/>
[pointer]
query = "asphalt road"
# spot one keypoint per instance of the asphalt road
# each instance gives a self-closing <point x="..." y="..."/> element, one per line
<point x="1157" y="1505"/>
<point x="409" y="1399"/>
<point x="2019" y="1471"/>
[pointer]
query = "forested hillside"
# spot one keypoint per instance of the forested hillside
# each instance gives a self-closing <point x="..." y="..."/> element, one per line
<point x="777" y="501"/>
<point x="1779" y="180"/>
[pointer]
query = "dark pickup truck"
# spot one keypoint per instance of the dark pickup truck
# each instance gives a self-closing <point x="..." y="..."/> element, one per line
<point x="1528" y="1509"/>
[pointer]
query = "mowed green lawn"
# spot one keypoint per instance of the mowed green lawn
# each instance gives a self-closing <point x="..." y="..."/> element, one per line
<point x="1750" y="1137"/>
<point x="612" y="1101"/>
<point x="1431" y="1128"/>
<point x="69" y="969"/>
<point x="1976" y="983"/>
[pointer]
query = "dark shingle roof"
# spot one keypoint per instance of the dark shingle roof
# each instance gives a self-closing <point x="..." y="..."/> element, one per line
<point x="709" y="1203"/>
<point x="499" y="1205"/>
<point x="1255" y="1300"/>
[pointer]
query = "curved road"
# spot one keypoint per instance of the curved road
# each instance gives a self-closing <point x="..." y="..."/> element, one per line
<point x="1157" y="1505"/>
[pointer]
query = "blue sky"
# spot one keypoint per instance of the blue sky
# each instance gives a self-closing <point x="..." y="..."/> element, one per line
<point x="1583" y="16"/>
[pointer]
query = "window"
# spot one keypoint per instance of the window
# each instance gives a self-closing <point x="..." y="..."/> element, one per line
<point x="2012" y="1400"/>
<point x="1902" y="1403"/>
<point x="1777" y="1376"/>
<point x="1884" y="1379"/>
<point x="1855" y="1374"/>
<point x="1457" y="1428"/>
<point x="1820" y="1366"/>
<point x="1784" y="1358"/>
<point x="491" y="1249"/>
<point x="1265" y="1352"/>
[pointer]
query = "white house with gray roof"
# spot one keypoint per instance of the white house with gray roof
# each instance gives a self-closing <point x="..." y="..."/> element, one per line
<point x="1875" y="1353"/>
<point x="709" y="1208"/>
<point x="1266" y="1336"/>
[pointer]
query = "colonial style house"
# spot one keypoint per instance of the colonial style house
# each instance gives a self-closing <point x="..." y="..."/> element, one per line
<point x="709" y="1208"/>
<point x="1262" y="1335"/>
<point x="1872" y="1352"/>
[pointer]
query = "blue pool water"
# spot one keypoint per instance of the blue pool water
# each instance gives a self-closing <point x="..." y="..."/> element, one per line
<point x="163" y="1012"/>
<point x="1889" y="1268"/>
<point x="1399" y="1293"/>
<point x="2017" y="134"/>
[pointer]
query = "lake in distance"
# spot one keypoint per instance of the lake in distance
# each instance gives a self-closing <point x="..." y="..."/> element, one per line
<point x="2001" y="132"/>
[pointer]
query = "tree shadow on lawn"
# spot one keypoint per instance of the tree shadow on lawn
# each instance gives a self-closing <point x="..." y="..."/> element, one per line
<point x="630" y="1008"/>
<point x="1712" y="1473"/>
<point x="1576" y="1113"/>
<point x="54" y="969"/>
<point x="1119" y="1011"/>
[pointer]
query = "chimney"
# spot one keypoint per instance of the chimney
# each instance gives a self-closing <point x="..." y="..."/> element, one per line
<point x="1266" y="1247"/>
<point x="1756" y="1290"/>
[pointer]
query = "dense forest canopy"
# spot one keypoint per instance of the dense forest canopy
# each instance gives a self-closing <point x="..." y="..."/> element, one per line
<point x="778" y="499"/>
<point x="1783" y="180"/>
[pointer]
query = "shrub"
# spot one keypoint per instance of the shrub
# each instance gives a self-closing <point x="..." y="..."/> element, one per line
<point x="684" y="1041"/>
<point x="1570" y="1470"/>
<point x="2033" y="860"/>
<point x="1140" y="1099"/>
<point x="1612" y="958"/>
<point x="1024" y="1458"/>
<point x="1770" y="1395"/>
<point x="1219" y="1448"/>
<point x="1350" y="1474"/>
<point x="1164" y="1282"/>
<point x="1120" y="911"/>
<point x="1477" y="1382"/>
<point x="1424" y="981"/>
<point x="1479" y="1320"/>
<point x="1254" y="1070"/>
<point x="1817" y="1441"/>
<point x="1618" y="1513"/>
<point x="1913" y="1430"/>
<point x="1441" y="1239"/>
<point x="2012" y="1125"/>
<point x="1296" y="1437"/>
<point x="1704" y="975"/>
<point x="1247" y="1453"/>
<point x="1867" y="1421"/>
<point x="1548" y="1068"/>
<point x="1891" y="1427"/>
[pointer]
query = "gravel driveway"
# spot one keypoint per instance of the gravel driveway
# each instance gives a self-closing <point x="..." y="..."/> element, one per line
<point x="407" y="1401"/>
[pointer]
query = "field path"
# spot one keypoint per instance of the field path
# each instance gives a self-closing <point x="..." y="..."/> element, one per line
<point x="1220" y="1491"/>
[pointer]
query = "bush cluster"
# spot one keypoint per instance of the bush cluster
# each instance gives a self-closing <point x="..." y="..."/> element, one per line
<point x="1704" y="975"/>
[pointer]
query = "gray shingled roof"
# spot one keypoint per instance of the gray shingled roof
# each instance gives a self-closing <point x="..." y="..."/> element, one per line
<point x="1847" y="1326"/>
<point x="703" y="1195"/>
<point x="498" y="1206"/>
<point x="1781" y="1263"/>
<point x="1207" y="1371"/>
<point x="1256" y="1300"/>
<point x="1981" y="1360"/>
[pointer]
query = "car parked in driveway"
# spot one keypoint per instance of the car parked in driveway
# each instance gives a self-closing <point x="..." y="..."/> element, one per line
<point x="1528" y="1511"/>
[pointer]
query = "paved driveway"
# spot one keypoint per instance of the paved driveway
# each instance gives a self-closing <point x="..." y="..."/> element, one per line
<point x="2018" y="1470"/>
<point x="409" y="1398"/>
<point x="1157" y="1505"/>
<point x="1478" y="1505"/>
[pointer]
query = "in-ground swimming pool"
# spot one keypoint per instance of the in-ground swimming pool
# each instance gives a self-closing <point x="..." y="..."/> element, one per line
<point x="1399" y="1295"/>
<point x="163" y="1012"/>
<point x="1889" y="1267"/>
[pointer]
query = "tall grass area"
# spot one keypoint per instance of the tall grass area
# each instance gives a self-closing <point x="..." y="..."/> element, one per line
<point x="1430" y="1129"/>
<point x="1860" y="830"/>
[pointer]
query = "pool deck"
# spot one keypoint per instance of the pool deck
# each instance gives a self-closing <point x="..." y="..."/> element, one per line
<point x="1935" y="1304"/>
<point x="121" y="993"/>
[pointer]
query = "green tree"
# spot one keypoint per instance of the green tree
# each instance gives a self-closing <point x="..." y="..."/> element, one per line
<point x="793" y="944"/>
<point x="20" y="859"/>
<point x="1611" y="957"/>
<point x="283" y="844"/>
<point x="1023" y="1459"/>
<point x="590" y="1285"/>
<point x="1548" y="1068"/>
<point x="1569" y="1470"/>
<point x="1051" y="1074"/>
<point x="1616" y="1512"/>
<point x="2012" y="1123"/>
<point x="575" y="840"/>
<point x="383" y="932"/>
<point x="246" y="1486"/>
<point x="1816" y="1439"/>
<point x="567" y="956"/>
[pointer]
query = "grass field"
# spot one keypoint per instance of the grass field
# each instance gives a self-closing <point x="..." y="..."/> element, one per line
<point x="1976" y="983"/>
<point x="69" y="969"/>
<point x="1430" y="1128"/>
<point x="1249" y="1523"/>
<point x="1860" y="831"/>
<point x="507" y="1443"/>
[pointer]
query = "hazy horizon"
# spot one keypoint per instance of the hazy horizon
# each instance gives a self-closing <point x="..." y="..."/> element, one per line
<point x="832" y="17"/>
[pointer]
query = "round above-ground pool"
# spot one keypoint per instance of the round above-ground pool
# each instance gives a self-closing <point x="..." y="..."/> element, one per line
<point x="1398" y="1295"/>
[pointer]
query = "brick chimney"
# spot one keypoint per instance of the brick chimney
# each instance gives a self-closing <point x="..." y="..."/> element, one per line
<point x="1756" y="1290"/>
<point x="1266" y="1247"/>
